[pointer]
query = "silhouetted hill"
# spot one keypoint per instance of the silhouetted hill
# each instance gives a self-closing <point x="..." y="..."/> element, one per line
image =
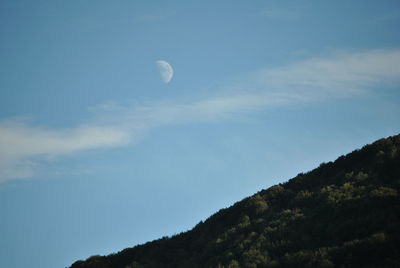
<point x="343" y="214"/>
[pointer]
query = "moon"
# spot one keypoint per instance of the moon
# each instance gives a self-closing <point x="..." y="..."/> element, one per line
<point x="165" y="70"/>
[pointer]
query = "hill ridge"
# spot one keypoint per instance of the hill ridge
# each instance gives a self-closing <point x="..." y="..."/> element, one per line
<point x="342" y="214"/>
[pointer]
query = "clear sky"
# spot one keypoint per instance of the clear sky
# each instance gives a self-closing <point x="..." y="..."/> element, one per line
<point x="99" y="153"/>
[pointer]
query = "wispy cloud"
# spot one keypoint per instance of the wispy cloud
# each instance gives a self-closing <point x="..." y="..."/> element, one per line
<point x="336" y="76"/>
<point x="156" y="16"/>
<point x="279" y="13"/>
<point x="339" y="75"/>
<point x="387" y="17"/>
<point x="21" y="144"/>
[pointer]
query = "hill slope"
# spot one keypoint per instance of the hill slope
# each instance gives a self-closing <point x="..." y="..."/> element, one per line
<point x="345" y="213"/>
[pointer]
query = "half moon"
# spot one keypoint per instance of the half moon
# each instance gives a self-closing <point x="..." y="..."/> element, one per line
<point x="166" y="70"/>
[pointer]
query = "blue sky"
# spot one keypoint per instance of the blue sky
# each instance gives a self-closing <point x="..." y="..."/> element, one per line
<point x="97" y="153"/>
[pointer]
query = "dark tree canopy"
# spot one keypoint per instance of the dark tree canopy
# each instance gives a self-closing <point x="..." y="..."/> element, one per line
<point x="343" y="214"/>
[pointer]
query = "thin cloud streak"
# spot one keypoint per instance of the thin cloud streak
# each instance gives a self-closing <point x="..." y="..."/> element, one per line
<point x="21" y="144"/>
<point x="340" y="75"/>
<point x="24" y="140"/>
<point x="276" y="13"/>
<point x="388" y="17"/>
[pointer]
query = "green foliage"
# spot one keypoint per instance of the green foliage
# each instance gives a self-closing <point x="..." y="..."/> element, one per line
<point x="384" y="192"/>
<point x="233" y="264"/>
<point x="343" y="214"/>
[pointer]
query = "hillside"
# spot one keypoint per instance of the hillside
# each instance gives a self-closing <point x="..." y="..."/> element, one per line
<point x="343" y="214"/>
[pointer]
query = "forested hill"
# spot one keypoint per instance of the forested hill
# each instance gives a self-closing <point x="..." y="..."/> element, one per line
<point x="343" y="214"/>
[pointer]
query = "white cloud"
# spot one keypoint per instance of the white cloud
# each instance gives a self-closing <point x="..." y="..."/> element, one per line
<point x="23" y="140"/>
<point x="387" y="17"/>
<point x="339" y="75"/>
<point x="156" y="16"/>
<point x="279" y="13"/>
<point x="21" y="143"/>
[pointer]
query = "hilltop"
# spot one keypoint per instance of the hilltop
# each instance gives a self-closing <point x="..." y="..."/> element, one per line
<point x="344" y="213"/>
